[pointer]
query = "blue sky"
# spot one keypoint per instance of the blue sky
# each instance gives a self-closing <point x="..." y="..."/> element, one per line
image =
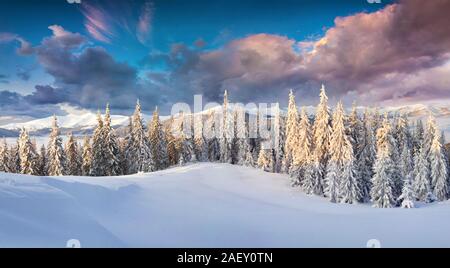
<point x="165" y="51"/>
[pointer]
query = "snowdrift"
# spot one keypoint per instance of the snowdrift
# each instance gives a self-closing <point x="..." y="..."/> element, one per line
<point x="201" y="205"/>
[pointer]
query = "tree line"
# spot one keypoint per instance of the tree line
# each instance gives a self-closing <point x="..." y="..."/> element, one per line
<point x="353" y="158"/>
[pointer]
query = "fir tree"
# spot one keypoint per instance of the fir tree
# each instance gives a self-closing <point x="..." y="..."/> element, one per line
<point x="4" y="157"/>
<point x="140" y="154"/>
<point x="302" y="149"/>
<point x="407" y="196"/>
<point x="291" y="133"/>
<point x="99" y="153"/>
<point x="439" y="172"/>
<point x="14" y="159"/>
<point x="28" y="156"/>
<point x="55" y="152"/>
<point x="111" y="162"/>
<point x="158" y="142"/>
<point x="417" y="139"/>
<point x="184" y="145"/>
<point x="382" y="189"/>
<point x="422" y="187"/>
<point x="279" y="139"/>
<point x="73" y="159"/>
<point x="42" y="161"/>
<point x="322" y="131"/>
<point x="227" y="139"/>
<point x="212" y="141"/>
<point x="366" y="157"/>
<point x="171" y="143"/>
<point x="200" y="144"/>
<point x="86" y="157"/>
<point x="341" y="183"/>
<point x="266" y="160"/>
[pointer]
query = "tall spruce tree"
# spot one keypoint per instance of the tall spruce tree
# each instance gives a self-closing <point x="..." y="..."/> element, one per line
<point x="158" y="142"/>
<point x="14" y="158"/>
<point x="86" y="157"/>
<point x="439" y="172"/>
<point x="4" y="157"/>
<point x="279" y="138"/>
<point x="382" y="189"/>
<point x="171" y="142"/>
<point x="140" y="154"/>
<point x="341" y="182"/>
<point x="302" y="149"/>
<point x="56" y="156"/>
<point x="99" y="153"/>
<point x="366" y="156"/>
<point x="112" y="166"/>
<point x="28" y="155"/>
<point x="42" y="161"/>
<point x="73" y="159"/>
<point x="227" y="139"/>
<point x="321" y="138"/>
<point x="291" y="133"/>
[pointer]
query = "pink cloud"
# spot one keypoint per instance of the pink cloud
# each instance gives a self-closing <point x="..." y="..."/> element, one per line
<point x="144" y="23"/>
<point x="97" y="23"/>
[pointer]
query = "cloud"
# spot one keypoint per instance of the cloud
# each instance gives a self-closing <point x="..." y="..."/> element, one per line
<point x="25" y="47"/>
<point x="400" y="53"/>
<point x="87" y="76"/>
<point x="144" y="23"/>
<point x="97" y="23"/>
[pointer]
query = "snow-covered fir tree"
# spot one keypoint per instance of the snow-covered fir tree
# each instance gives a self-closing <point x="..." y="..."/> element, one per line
<point x="184" y="144"/>
<point x="73" y="159"/>
<point x="158" y="142"/>
<point x="291" y="133"/>
<point x="266" y="159"/>
<point x="422" y="186"/>
<point x="4" y="157"/>
<point x="172" y="153"/>
<point x="200" y="144"/>
<point x="279" y="138"/>
<point x="366" y="156"/>
<point x="139" y="154"/>
<point x="112" y="151"/>
<point x="407" y="197"/>
<point x="211" y="132"/>
<point x="56" y="156"/>
<point x="86" y="157"/>
<point x="28" y="155"/>
<point x="321" y="140"/>
<point x="438" y="172"/>
<point x="417" y="138"/>
<point x="42" y="161"/>
<point x="99" y="153"/>
<point x="340" y="180"/>
<point x="429" y="134"/>
<point x="14" y="159"/>
<point x="302" y="150"/>
<point x="382" y="183"/>
<point x="355" y="130"/>
<point x="227" y="139"/>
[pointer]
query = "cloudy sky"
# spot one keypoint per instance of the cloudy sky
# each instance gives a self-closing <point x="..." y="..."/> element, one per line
<point x="165" y="51"/>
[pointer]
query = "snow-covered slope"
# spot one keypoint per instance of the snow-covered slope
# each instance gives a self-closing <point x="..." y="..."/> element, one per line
<point x="201" y="205"/>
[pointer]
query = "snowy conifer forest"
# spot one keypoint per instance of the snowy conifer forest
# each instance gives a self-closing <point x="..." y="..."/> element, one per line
<point x="382" y="159"/>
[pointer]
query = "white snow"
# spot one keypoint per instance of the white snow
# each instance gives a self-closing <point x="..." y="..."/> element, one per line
<point x="201" y="205"/>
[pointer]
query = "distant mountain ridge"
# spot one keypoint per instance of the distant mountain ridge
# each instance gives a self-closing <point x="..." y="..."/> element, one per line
<point x="81" y="121"/>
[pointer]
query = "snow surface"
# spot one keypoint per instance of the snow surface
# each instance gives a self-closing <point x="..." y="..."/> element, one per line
<point x="201" y="205"/>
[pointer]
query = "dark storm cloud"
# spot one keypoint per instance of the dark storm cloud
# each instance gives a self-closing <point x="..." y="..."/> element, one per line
<point x="47" y="95"/>
<point x="89" y="78"/>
